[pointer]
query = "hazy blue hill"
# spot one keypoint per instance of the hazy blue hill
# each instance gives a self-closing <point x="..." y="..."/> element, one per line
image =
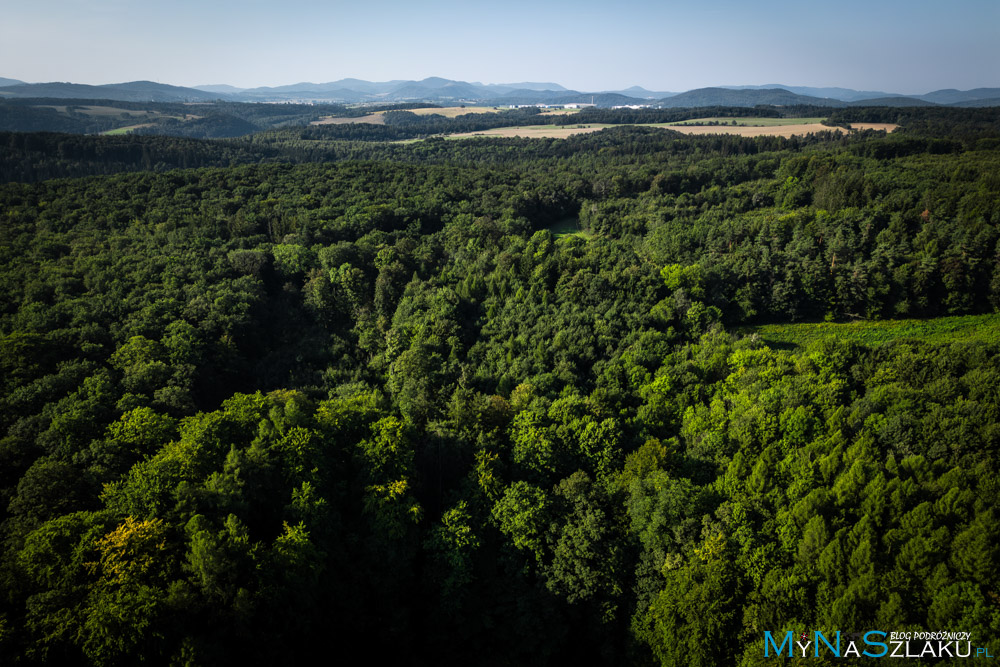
<point x="892" y="102"/>
<point x="370" y="87"/>
<point x="436" y="82"/>
<point x="221" y="88"/>
<point x="528" y="85"/>
<point x="435" y="89"/>
<point x="54" y="90"/>
<point x="708" y="97"/>
<point x="440" y="89"/>
<point x="133" y="91"/>
<point x="356" y="90"/>
<point x="952" y="96"/>
<point x="301" y="87"/>
<point x="991" y="102"/>
<point x="338" y="95"/>
<point x="154" y="88"/>
<point x="842" y="94"/>
<point x="348" y="89"/>
<point x="568" y="97"/>
<point x="412" y="91"/>
<point x="640" y="92"/>
<point x="600" y="99"/>
<point x="535" y="97"/>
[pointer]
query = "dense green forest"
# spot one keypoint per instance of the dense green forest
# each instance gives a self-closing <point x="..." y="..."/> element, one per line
<point x="324" y="395"/>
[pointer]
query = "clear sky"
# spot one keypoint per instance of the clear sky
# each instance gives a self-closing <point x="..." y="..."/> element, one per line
<point x="904" y="46"/>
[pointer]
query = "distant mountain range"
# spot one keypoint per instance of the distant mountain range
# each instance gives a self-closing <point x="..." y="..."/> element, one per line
<point x="133" y="91"/>
<point x="447" y="91"/>
<point x="842" y="94"/>
<point x="706" y="97"/>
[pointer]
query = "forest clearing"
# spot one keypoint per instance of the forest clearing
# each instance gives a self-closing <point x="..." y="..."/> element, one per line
<point x="938" y="330"/>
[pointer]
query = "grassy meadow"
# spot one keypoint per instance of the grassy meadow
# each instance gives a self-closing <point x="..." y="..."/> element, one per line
<point x="959" y="329"/>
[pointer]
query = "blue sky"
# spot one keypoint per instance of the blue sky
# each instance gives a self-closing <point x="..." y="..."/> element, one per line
<point x="911" y="46"/>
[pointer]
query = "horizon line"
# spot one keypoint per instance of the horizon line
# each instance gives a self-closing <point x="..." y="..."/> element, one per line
<point x="601" y="90"/>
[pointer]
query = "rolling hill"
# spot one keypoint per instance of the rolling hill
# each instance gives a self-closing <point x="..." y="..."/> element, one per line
<point x="708" y="97"/>
<point x="133" y="91"/>
<point x="952" y="96"/>
<point x="448" y="91"/>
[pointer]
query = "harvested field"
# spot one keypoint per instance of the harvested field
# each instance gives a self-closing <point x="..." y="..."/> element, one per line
<point x="748" y="131"/>
<point x="373" y="119"/>
<point x="452" y="112"/>
<point x="560" y="132"/>
<point x="447" y="112"/>
<point x="790" y="127"/>
<point x="533" y="131"/>
<point x="786" y="127"/>
<point x="888" y="127"/>
<point x="754" y="122"/>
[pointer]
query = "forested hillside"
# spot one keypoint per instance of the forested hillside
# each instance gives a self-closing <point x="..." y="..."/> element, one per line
<point x="310" y="396"/>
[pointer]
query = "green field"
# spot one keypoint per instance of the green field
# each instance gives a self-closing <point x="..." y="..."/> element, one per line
<point x="747" y="122"/>
<point x="128" y="129"/>
<point x="569" y="227"/>
<point x="961" y="329"/>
